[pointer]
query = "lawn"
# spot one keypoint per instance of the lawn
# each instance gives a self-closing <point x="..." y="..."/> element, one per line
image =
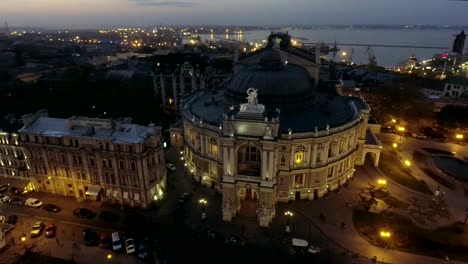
<point x="405" y="236"/>
<point x="392" y="167"/>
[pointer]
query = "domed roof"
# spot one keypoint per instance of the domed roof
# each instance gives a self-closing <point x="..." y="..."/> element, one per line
<point x="280" y="85"/>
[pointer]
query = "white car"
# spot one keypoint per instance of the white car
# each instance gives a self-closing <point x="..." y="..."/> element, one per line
<point x="130" y="246"/>
<point x="170" y="167"/>
<point x="33" y="202"/>
<point x="4" y="198"/>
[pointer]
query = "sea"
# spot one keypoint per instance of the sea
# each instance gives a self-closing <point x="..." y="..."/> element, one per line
<point x="385" y="56"/>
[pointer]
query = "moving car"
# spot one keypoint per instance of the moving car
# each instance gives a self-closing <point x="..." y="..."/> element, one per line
<point x="171" y="167"/>
<point x="33" y="202"/>
<point x="90" y="238"/>
<point x="84" y="213"/>
<point x="130" y="246"/>
<point x="37" y="229"/>
<point x="16" y="201"/>
<point x="184" y="197"/>
<point x="19" y="191"/>
<point x="4" y="198"/>
<point x="50" y="230"/>
<point x="51" y="208"/>
<point x="301" y="247"/>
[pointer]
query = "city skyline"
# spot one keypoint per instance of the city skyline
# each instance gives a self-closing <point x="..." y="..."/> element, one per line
<point x="107" y="13"/>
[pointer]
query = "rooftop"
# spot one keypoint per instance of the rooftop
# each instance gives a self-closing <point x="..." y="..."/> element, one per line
<point x="104" y="129"/>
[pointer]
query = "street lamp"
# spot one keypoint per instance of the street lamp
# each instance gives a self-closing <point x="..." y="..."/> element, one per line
<point x="459" y="136"/>
<point x="395" y="145"/>
<point x="393" y="120"/>
<point x="288" y="215"/>
<point x="385" y="234"/>
<point x="23" y="237"/>
<point x="109" y="257"/>
<point x="407" y="163"/>
<point x="203" y="203"/>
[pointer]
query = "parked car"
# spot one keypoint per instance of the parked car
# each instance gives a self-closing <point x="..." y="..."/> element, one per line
<point x="142" y="250"/>
<point x="5" y="228"/>
<point x="3" y="188"/>
<point x="234" y="240"/>
<point x="51" y="208"/>
<point x="171" y="167"/>
<point x="184" y="197"/>
<point x="90" y="238"/>
<point x="12" y="219"/>
<point x="4" y="198"/>
<point x="130" y="246"/>
<point x="84" y="213"/>
<point x="108" y="216"/>
<point x="105" y="240"/>
<point x="33" y="202"/>
<point x="50" y="230"/>
<point x="37" y="229"/>
<point x="16" y="201"/>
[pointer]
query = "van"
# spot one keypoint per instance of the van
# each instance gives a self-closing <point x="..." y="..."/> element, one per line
<point x="116" y="241"/>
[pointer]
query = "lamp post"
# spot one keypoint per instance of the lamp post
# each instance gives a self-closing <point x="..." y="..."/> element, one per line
<point x="203" y="203"/>
<point x="23" y="237"/>
<point x="288" y="215"/>
<point x="382" y="182"/>
<point x="109" y="257"/>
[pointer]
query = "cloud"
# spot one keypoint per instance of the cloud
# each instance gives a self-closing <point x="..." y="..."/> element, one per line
<point x="162" y="3"/>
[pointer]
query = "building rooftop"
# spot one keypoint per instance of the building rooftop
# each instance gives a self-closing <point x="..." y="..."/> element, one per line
<point x="104" y="129"/>
<point x="331" y="110"/>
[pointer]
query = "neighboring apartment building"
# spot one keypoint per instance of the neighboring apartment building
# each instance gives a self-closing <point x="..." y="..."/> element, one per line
<point x="456" y="88"/>
<point x="111" y="160"/>
<point x="14" y="167"/>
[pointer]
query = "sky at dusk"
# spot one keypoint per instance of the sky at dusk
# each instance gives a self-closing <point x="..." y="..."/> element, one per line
<point x="106" y="13"/>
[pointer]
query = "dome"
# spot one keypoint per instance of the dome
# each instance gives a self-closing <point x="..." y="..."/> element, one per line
<point x="286" y="86"/>
<point x="270" y="59"/>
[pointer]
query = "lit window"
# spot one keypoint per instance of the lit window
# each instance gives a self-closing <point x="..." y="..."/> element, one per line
<point x="299" y="157"/>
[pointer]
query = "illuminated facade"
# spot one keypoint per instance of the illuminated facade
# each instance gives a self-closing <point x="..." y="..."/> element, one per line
<point x="110" y="160"/>
<point x="272" y="135"/>
<point x="14" y="165"/>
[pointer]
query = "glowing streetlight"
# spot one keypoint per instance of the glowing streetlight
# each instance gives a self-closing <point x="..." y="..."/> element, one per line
<point x="393" y="120"/>
<point x="23" y="237"/>
<point x="343" y="53"/>
<point x="288" y="215"/>
<point x="385" y="234"/>
<point x="407" y="163"/>
<point x="395" y="145"/>
<point x="203" y="203"/>
<point x="381" y="181"/>
<point x="459" y="136"/>
<point x="401" y="129"/>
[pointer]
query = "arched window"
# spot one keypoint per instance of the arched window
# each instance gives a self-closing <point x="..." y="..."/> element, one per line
<point x="249" y="160"/>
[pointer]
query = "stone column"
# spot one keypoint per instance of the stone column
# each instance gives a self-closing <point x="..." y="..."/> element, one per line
<point x="174" y="92"/>
<point x="202" y="144"/>
<point x="325" y="152"/>
<point x="202" y="79"/>
<point x="291" y="158"/>
<point x="270" y="167"/>
<point x="163" y="90"/>
<point x="233" y="161"/>
<point x="308" y="155"/>
<point x="194" y="84"/>
<point x="182" y="85"/>
<point x="314" y="155"/>
<point x="264" y="169"/>
<point x="226" y="160"/>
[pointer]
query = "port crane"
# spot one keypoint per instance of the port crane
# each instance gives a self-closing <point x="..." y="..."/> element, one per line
<point x="371" y="56"/>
